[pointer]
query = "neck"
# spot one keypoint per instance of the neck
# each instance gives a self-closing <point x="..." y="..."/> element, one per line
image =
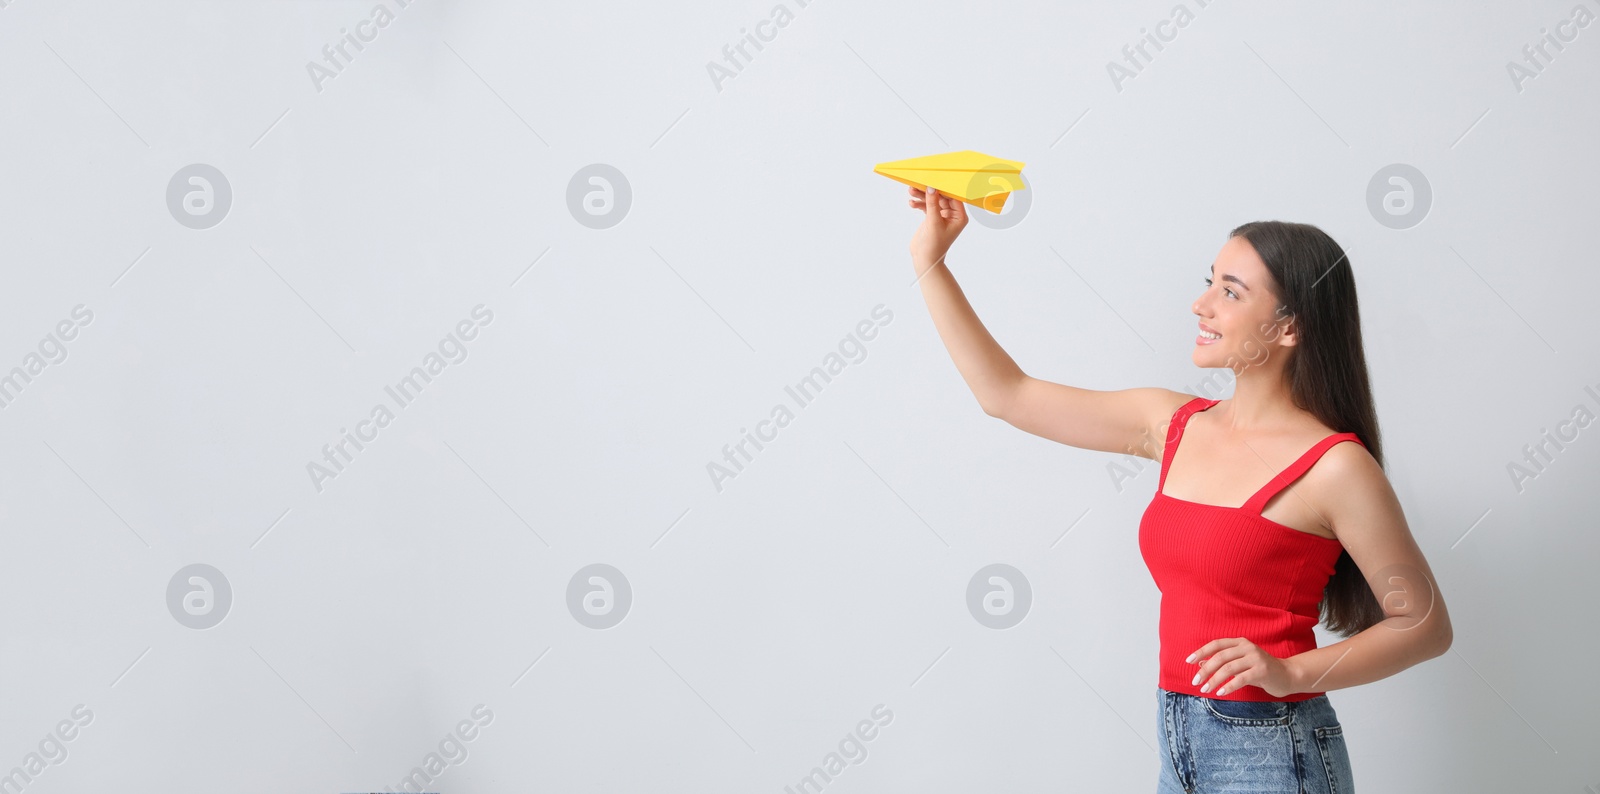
<point x="1261" y="400"/>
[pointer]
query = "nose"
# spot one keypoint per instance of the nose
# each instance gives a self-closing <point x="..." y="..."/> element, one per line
<point x="1202" y="304"/>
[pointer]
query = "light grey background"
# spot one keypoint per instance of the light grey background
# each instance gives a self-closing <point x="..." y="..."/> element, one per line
<point x="770" y="618"/>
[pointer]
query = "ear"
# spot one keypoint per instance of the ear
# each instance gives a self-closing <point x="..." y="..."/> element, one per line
<point x="1288" y="329"/>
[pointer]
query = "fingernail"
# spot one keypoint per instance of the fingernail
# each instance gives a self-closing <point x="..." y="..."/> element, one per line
<point x="1196" y="679"/>
<point x="1190" y="659"/>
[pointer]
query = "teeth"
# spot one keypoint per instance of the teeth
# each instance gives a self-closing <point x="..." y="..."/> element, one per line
<point x="1209" y="335"/>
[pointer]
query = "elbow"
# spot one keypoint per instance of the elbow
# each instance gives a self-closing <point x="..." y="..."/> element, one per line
<point x="1445" y="637"/>
<point x="994" y="407"/>
<point x="996" y="402"/>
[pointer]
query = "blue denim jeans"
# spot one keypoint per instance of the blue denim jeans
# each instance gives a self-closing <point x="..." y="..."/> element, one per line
<point x="1269" y="747"/>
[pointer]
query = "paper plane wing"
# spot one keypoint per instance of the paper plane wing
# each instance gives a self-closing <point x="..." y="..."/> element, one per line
<point x="972" y="177"/>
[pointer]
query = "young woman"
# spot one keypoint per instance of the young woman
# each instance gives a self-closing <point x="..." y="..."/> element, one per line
<point x="1270" y="522"/>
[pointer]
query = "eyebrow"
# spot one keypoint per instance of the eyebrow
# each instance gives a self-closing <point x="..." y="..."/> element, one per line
<point x="1227" y="277"/>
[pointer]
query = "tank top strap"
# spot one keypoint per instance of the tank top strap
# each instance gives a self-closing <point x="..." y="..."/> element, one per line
<point x="1180" y="418"/>
<point x="1299" y="467"/>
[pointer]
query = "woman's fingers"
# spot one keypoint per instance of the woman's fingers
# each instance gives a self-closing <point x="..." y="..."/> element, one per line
<point x="949" y="208"/>
<point x="948" y="213"/>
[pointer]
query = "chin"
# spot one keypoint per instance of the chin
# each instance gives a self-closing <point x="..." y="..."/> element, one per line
<point x="1207" y="359"/>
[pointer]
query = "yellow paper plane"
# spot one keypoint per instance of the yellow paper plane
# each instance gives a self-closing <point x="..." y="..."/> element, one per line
<point x="972" y="177"/>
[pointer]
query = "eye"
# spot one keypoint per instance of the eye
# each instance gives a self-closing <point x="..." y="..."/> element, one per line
<point x="1230" y="292"/>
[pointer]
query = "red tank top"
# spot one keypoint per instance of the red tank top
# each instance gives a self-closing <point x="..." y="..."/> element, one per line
<point x="1229" y="572"/>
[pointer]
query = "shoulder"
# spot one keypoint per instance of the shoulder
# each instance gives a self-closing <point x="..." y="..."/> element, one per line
<point x="1162" y="408"/>
<point x="1350" y="487"/>
<point x="1155" y="408"/>
<point x="1172" y="402"/>
<point x="1348" y="462"/>
<point x="1345" y="468"/>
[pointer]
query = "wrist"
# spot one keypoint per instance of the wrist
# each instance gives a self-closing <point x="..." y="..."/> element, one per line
<point x="1298" y="682"/>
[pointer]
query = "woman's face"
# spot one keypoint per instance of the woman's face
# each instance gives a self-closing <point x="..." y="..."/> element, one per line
<point x="1239" y="305"/>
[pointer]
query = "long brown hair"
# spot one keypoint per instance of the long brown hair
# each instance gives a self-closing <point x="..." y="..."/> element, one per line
<point x="1326" y="370"/>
